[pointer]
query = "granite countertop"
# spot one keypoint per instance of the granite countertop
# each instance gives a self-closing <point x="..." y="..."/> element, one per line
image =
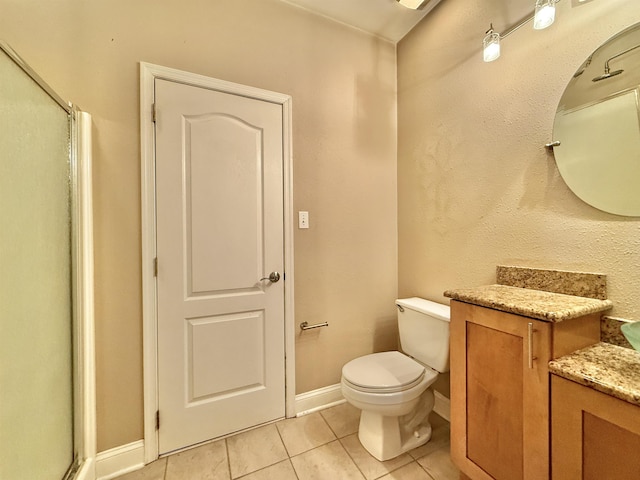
<point x="604" y="367"/>
<point x="551" y="307"/>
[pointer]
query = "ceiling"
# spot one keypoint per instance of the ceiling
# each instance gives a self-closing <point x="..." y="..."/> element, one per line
<point x="384" y="18"/>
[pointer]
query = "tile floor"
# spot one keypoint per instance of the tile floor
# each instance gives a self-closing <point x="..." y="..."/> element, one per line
<point x="320" y="446"/>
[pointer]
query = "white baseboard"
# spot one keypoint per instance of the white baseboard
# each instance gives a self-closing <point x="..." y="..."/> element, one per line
<point x="319" y="399"/>
<point x="330" y="396"/>
<point x="442" y="406"/>
<point x="120" y="460"/>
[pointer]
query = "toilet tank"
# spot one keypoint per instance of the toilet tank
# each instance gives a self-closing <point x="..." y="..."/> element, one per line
<point x="424" y="331"/>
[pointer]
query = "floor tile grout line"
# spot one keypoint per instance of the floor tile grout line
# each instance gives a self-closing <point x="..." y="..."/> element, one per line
<point x="328" y="425"/>
<point x="312" y="448"/>
<point x="335" y="435"/>
<point x="287" y="450"/>
<point x="282" y="439"/>
<point x="425" y="470"/>
<point x="166" y="465"/>
<point x="324" y="445"/>
<point x="293" y="467"/>
<point x="424" y="457"/>
<point x="226" y="449"/>
<point x="269" y="466"/>
<point x="352" y="459"/>
<point x="413" y="460"/>
<point x="266" y="466"/>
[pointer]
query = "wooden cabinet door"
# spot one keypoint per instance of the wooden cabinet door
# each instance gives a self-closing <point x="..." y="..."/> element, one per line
<point x="499" y="394"/>
<point x="594" y="436"/>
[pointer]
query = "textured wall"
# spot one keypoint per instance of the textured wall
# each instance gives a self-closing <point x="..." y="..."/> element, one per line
<point x="344" y="133"/>
<point x="476" y="188"/>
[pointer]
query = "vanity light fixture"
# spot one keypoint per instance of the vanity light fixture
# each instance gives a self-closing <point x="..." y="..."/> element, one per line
<point x="543" y="16"/>
<point x="491" y="45"/>
<point x="413" y="4"/>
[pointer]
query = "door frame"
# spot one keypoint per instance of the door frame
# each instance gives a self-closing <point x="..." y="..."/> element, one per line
<point x="148" y="74"/>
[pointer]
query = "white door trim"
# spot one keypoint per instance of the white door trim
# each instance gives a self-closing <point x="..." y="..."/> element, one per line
<point x="148" y="74"/>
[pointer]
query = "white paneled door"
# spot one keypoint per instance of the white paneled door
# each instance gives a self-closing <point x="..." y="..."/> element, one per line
<point x="219" y="194"/>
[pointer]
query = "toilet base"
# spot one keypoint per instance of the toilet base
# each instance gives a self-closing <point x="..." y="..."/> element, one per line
<point x="386" y="437"/>
<point x="395" y="441"/>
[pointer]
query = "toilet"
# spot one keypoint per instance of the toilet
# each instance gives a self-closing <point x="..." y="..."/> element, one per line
<point x="392" y="388"/>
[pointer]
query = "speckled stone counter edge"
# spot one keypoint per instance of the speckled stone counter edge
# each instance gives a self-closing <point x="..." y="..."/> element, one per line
<point x="542" y="305"/>
<point x="607" y="368"/>
<point x="579" y="284"/>
<point x="582" y="284"/>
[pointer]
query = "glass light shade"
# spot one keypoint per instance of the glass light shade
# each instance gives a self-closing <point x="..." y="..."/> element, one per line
<point x="545" y="14"/>
<point x="491" y="46"/>
<point x="414" y="4"/>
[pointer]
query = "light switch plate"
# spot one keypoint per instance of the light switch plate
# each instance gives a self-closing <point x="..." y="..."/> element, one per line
<point x="303" y="219"/>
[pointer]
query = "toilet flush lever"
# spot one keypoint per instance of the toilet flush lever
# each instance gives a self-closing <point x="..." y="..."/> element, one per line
<point x="273" y="277"/>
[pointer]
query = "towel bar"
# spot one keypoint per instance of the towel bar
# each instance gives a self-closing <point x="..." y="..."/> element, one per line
<point x="306" y="326"/>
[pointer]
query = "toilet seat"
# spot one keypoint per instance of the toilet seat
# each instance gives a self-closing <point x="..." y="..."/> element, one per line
<point x="385" y="372"/>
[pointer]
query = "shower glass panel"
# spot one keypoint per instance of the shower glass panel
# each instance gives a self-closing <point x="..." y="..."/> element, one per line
<point x="36" y="367"/>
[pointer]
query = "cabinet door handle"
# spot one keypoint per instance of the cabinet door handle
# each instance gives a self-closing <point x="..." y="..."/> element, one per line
<point x="530" y="331"/>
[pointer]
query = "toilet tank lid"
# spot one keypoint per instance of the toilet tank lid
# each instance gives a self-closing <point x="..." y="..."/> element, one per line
<point x="438" y="310"/>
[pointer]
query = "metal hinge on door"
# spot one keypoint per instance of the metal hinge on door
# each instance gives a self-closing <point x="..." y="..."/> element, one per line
<point x="157" y="419"/>
<point x="153" y="113"/>
<point x="155" y="267"/>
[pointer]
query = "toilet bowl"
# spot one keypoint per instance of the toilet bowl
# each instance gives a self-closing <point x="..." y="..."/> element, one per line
<point x="383" y="431"/>
<point x="392" y="388"/>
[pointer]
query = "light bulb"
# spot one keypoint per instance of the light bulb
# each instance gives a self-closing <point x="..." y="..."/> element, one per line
<point x="545" y="14"/>
<point x="491" y="46"/>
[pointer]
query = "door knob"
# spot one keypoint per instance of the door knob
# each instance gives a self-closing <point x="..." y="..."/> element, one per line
<point x="273" y="277"/>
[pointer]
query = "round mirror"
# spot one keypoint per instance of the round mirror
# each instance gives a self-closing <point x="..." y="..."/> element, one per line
<point x="598" y="126"/>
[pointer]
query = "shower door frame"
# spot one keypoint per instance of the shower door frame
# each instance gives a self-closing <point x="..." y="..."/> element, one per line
<point x="82" y="288"/>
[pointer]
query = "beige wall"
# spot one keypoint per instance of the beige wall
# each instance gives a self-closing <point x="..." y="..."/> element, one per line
<point x="476" y="186"/>
<point x="344" y="123"/>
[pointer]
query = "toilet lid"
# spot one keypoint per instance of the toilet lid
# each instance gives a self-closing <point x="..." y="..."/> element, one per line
<point x="386" y="370"/>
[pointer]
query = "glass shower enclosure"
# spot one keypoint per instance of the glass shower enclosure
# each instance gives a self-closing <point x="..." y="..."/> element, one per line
<point x="39" y="367"/>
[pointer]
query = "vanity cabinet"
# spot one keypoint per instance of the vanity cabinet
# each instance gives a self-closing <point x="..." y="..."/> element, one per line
<point x="594" y="435"/>
<point x="500" y="416"/>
